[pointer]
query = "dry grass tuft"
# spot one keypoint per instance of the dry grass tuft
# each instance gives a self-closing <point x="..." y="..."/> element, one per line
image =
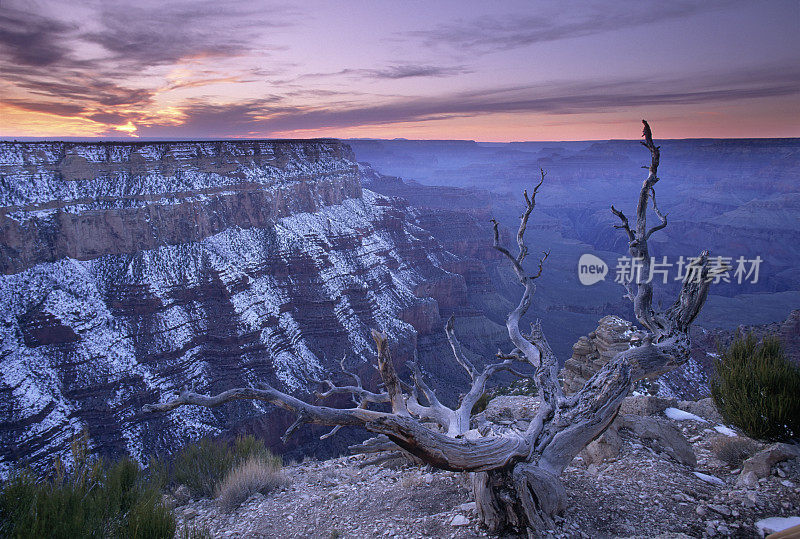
<point x="251" y="476"/>
<point x="733" y="451"/>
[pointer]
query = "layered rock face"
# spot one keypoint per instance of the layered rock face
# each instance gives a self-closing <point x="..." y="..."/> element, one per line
<point x="86" y="200"/>
<point x="593" y="351"/>
<point x="131" y="271"/>
<point x="613" y="335"/>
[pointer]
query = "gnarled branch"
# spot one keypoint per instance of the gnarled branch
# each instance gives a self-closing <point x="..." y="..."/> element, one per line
<point x="458" y="351"/>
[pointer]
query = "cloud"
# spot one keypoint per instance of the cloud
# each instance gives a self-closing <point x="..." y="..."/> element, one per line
<point x="391" y="72"/>
<point x="105" y="63"/>
<point x="88" y="91"/>
<point x="27" y="39"/>
<point x="411" y="71"/>
<point x="265" y="118"/>
<point x="58" y="109"/>
<point x="168" y="32"/>
<point x="491" y="34"/>
<point x="196" y="83"/>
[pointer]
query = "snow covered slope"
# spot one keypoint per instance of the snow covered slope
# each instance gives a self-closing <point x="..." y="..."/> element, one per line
<point x="130" y="271"/>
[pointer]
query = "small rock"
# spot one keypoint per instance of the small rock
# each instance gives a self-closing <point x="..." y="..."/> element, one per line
<point x="459" y="520"/>
<point x="709" y="478"/>
<point x="747" y="480"/>
<point x="703" y="408"/>
<point x="469" y="506"/>
<point x="605" y="448"/>
<point x="721" y="509"/>
<point x="645" y="405"/>
<point x="661" y="433"/>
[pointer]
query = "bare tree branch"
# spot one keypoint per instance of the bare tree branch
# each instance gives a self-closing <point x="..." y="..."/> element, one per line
<point x="388" y="374"/>
<point x="625" y="225"/>
<point x="661" y="216"/>
<point x="530" y="202"/>
<point x="663" y="325"/>
<point x="333" y="431"/>
<point x="458" y="351"/>
<point x="359" y="392"/>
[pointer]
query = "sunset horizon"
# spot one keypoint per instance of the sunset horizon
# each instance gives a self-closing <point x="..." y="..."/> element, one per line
<point x="517" y="72"/>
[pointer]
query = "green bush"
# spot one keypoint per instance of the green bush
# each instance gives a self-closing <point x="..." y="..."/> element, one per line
<point x="757" y="388"/>
<point x="95" y="499"/>
<point x="203" y="465"/>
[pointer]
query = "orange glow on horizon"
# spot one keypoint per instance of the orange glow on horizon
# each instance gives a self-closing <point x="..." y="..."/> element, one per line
<point x="17" y="122"/>
<point x="497" y="127"/>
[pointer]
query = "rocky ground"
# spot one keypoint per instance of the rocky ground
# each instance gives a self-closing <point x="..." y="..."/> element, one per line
<point x="637" y="482"/>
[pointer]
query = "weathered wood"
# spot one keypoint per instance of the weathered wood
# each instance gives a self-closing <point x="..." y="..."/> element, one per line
<point x="389" y="375"/>
<point x="523" y="497"/>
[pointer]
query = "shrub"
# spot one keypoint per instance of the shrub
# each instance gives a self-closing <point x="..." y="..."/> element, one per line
<point x="733" y="450"/>
<point x="203" y="465"/>
<point x="96" y="499"/>
<point x="248" y="477"/>
<point x="193" y="532"/>
<point x="756" y="389"/>
<point x="481" y="404"/>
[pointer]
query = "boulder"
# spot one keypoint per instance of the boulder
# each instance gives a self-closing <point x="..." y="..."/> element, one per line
<point x="661" y="435"/>
<point x="593" y="351"/>
<point x="761" y="463"/>
<point x="704" y="408"/>
<point x="606" y="447"/>
<point x="511" y="408"/>
<point x="646" y="405"/>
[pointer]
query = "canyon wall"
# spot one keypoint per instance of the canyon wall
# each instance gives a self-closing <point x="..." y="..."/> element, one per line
<point x="133" y="270"/>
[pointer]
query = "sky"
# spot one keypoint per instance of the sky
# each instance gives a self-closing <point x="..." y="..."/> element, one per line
<point x="478" y="70"/>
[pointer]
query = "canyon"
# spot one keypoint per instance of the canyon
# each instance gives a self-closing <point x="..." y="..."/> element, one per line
<point x="130" y="271"/>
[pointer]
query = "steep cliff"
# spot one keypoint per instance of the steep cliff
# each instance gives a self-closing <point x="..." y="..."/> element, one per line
<point x="131" y="271"/>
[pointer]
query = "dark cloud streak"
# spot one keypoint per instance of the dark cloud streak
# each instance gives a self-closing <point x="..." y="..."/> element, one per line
<point x="32" y="40"/>
<point x="166" y="33"/>
<point x="492" y="34"/>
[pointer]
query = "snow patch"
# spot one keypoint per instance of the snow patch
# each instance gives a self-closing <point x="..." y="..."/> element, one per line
<point x="709" y="478"/>
<point x="776" y="524"/>
<point x="722" y="429"/>
<point x="680" y="415"/>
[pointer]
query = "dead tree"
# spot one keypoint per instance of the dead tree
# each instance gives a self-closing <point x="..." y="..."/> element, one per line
<point x="515" y="474"/>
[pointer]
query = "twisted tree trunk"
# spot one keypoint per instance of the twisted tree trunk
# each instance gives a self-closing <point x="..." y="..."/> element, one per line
<point x="515" y="474"/>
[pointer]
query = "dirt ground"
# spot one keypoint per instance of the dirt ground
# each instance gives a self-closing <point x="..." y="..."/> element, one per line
<point x="641" y="493"/>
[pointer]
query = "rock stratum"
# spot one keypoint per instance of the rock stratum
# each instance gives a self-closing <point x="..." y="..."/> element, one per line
<point x="133" y="270"/>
